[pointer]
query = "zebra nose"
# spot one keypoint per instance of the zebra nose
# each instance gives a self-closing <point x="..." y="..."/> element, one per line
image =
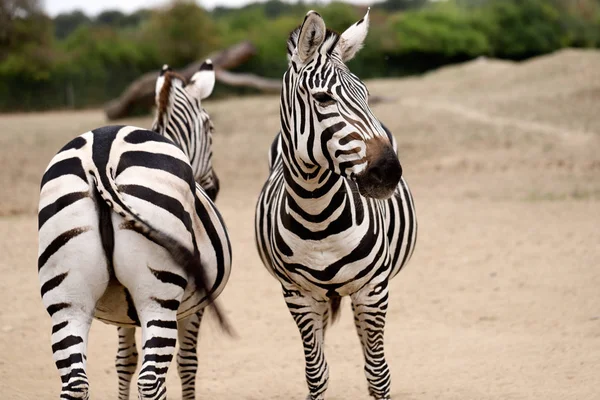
<point x="386" y="170"/>
<point x="376" y="174"/>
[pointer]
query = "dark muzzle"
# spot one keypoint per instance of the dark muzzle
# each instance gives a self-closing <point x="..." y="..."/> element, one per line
<point x="382" y="175"/>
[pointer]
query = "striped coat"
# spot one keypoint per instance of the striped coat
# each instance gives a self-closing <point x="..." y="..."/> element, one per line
<point x="335" y="217"/>
<point x="127" y="236"/>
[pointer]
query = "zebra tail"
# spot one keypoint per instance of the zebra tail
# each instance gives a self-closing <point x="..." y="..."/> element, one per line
<point x="335" y="303"/>
<point x="107" y="190"/>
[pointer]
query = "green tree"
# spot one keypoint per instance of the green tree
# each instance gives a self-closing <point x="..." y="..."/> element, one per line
<point x="444" y="30"/>
<point x="339" y="16"/>
<point x="519" y="29"/>
<point x="25" y="40"/>
<point x="113" y="18"/>
<point x="66" y="23"/>
<point x="401" y="5"/>
<point x="181" y="33"/>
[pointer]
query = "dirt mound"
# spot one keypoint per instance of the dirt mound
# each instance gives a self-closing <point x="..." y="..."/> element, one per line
<point x="467" y="72"/>
<point x="570" y="70"/>
<point x="561" y="90"/>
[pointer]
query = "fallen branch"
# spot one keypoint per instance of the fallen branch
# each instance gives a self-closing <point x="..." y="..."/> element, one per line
<point x="141" y="91"/>
<point x="248" y="80"/>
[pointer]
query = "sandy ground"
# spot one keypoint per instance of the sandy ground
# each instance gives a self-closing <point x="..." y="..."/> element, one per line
<point x="502" y="297"/>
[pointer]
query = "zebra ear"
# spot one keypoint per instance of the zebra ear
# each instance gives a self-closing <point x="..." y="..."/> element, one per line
<point x="353" y="38"/>
<point x="203" y="82"/>
<point x="311" y="36"/>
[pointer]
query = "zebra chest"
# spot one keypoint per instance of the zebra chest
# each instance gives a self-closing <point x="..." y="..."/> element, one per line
<point x="344" y="264"/>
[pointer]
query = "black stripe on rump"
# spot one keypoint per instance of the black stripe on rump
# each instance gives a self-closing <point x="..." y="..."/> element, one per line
<point x="169" y="277"/>
<point x="162" y="162"/>
<point x="143" y="136"/>
<point x="66" y="343"/>
<point x="168" y="203"/>
<point x="59" y="242"/>
<point x="74" y="144"/>
<point x="70" y="166"/>
<point x="62" y="202"/>
<point x="103" y="140"/>
<point x="52" y="283"/>
<point x="168" y="304"/>
<point x="215" y="239"/>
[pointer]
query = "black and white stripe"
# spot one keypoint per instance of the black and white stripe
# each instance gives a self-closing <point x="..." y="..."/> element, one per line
<point x="126" y="235"/>
<point x="335" y="217"/>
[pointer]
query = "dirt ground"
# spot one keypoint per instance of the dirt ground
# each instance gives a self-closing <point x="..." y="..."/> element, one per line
<point x="500" y="301"/>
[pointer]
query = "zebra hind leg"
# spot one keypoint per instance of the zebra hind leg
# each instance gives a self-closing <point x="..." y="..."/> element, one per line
<point x="126" y="361"/>
<point x="309" y="314"/>
<point x="370" y="306"/>
<point x="69" y="343"/>
<point x="70" y="289"/>
<point x="159" y="337"/>
<point x="187" y="357"/>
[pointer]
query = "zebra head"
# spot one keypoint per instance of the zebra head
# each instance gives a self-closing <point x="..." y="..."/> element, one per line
<point x="181" y="118"/>
<point x="325" y="116"/>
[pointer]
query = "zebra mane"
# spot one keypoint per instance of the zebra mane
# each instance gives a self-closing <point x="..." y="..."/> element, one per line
<point x="165" y="99"/>
<point x="329" y="44"/>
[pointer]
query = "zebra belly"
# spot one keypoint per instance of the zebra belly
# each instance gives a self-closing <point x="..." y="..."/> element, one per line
<point x="116" y="307"/>
<point x="331" y="280"/>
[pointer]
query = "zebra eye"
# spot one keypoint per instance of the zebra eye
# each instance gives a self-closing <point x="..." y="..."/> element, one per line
<point x="324" y="98"/>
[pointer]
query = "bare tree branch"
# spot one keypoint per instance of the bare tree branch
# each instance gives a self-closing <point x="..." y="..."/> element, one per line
<point x="141" y="91"/>
<point x="248" y="80"/>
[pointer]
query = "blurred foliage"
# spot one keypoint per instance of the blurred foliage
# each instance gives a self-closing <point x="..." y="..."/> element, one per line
<point x="75" y="60"/>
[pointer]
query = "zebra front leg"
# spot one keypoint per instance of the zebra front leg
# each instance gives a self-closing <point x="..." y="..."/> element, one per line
<point x="126" y="361"/>
<point x="187" y="358"/>
<point x="370" y="306"/>
<point x="309" y="316"/>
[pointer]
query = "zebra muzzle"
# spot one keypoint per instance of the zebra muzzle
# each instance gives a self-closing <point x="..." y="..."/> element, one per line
<point x="382" y="175"/>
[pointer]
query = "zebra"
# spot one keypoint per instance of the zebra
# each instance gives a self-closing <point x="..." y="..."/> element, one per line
<point x="180" y="118"/>
<point x="335" y="217"/>
<point x="127" y="236"/>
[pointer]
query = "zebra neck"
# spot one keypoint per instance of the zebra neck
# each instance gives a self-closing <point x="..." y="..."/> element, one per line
<point x="322" y="206"/>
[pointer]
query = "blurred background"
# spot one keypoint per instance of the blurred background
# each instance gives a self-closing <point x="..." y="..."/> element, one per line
<point x="66" y="54"/>
<point x="495" y="107"/>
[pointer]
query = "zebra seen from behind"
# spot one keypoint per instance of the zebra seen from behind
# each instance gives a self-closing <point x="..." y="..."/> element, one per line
<point x="127" y="236"/>
<point x="181" y="118"/>
<point x="335" y="217"/>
